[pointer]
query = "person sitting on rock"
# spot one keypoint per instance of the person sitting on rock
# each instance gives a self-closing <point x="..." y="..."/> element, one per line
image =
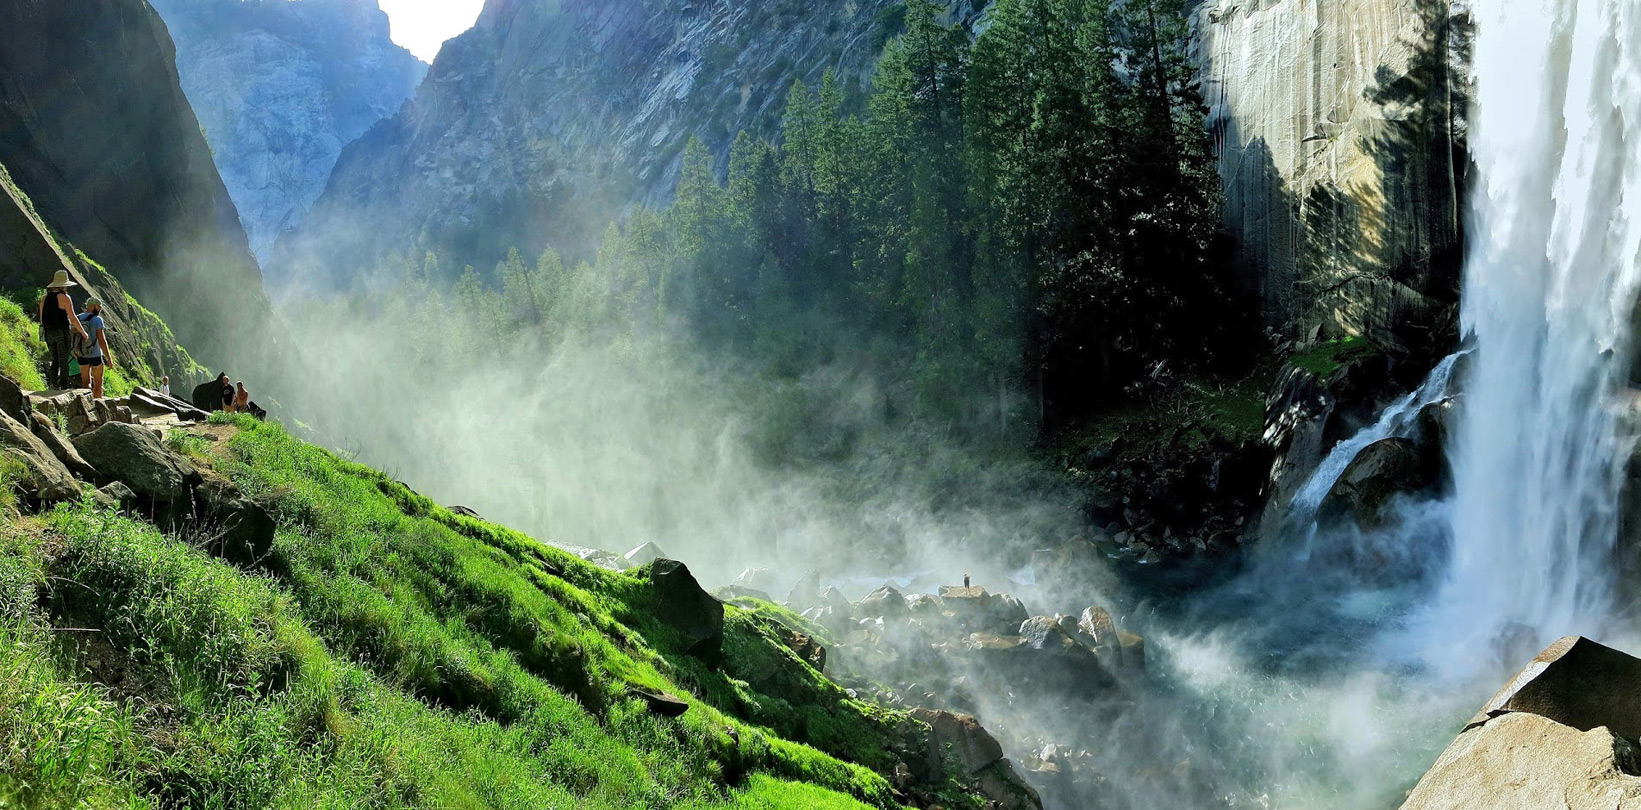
<point x="94" y="355"/>
<point x="58" y="328"/>
<point x="242" y="399"/>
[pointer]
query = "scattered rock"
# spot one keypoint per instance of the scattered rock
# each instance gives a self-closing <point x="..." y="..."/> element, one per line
<point x="1005" y="788"/>
<point x="1133" y="651"/>
<point x="682" y="604"/>
<point x="134" y="456"/>
<point x="207" y="396"/>
<point x="466" y="512"/>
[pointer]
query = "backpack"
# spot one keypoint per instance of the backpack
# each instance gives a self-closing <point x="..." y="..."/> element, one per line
<point x="86" y="346"/>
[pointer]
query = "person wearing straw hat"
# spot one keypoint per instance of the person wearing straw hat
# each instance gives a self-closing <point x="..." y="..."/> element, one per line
<point x="94" y="355"/>
<point x="58" y="326"/>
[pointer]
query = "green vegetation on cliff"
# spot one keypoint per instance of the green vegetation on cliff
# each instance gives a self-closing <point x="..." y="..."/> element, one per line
<point x="389" y="653"/>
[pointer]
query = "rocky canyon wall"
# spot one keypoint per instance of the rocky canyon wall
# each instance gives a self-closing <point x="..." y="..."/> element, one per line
<point x="95" y="129"/>
<point x="1340" y="129"/>
<point x="281" y="87"/>
<point x="550" y="118"/>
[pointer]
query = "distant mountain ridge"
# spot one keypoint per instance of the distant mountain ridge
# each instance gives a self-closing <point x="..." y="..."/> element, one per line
<point x="281" y="86"/>
<point x="549" y="118"/>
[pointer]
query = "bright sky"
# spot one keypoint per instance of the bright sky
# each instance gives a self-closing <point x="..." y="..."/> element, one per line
<point x="421" y="26"/>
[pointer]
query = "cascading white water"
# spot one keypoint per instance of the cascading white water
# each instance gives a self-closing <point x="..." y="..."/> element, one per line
<point x="1400" y="419"/>
<point x="1549" y="288"/>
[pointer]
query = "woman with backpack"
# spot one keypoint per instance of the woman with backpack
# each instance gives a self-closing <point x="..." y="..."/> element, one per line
<point x="59" y="327"/>
<point x="94" y="355"/>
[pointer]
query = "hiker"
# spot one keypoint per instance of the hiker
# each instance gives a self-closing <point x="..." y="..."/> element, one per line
<point x="242" y="399"/>
<point x="58" y="327"/>
<point x="93" y="352"/>
<point x="227" y="394"/>
<point x="165" y="385"/>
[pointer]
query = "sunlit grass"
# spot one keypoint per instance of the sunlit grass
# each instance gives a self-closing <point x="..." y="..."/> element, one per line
<point x="390" y="654"/>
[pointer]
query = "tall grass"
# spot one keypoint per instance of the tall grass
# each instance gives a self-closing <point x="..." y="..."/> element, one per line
<point x="390" y="654"/>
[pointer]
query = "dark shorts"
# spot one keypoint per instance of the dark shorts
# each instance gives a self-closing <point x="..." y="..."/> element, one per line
<point x="89" y="362"/>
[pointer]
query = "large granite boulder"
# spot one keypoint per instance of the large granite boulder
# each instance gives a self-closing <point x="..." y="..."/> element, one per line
<point x="61" y="447"/>
<point x="135" y="457"/>
<point x="684" y="606"/>
<point x="232" y="526"/>
<point x="884" y="603"/>
<point x="1559" y="734"/>
<point x="960" y="739"/>
<point x="975" y="610"/>
<point x="12" y="400"/>
<point x="1384" y="469"/>
<point x="44" y="477"/>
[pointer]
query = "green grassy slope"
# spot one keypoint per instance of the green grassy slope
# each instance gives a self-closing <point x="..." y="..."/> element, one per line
<point x="389" y="653"/>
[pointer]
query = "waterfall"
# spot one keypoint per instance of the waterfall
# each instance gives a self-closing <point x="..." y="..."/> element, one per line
<point x="1550" y="283"/>
<point x="1401" y="419"/>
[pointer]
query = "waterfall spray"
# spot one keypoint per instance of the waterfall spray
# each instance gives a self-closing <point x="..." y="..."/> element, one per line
<point x="1549" y="287"/>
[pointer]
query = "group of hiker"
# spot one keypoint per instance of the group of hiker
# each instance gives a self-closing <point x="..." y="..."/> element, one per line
<point x="77" y="344"/>
<point x="75" y="341"/>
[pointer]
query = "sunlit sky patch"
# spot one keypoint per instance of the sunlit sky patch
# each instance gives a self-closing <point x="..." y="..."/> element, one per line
<point x="421" y="26"/>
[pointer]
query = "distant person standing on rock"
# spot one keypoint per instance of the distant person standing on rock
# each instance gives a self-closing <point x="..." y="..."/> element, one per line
<point x="165" y="385"/>
<point x="227" y="392"/>
<point x="242" y="399"/>
<point x="58" y="328"/>
<point x="94" y="355"/>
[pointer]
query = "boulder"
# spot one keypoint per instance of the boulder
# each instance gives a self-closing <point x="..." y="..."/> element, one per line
<point x="683" y="605"/>
<point x="1044" y="633"/>
<point x="61" y="447"/>
<point x="643" y="555"/>
<point x="1005" y="789"/>
<point x="1097" y="625"/>
<point x="759" y="579"/>
<point x="44" y="477"/>
<point x="1522" y="761"/>
<point x="660" y="703"/>
<point x="13" y="402"/>
<point x="960" y="740"/>
<point x="1133" y="651"/>
<point x="805" y="647"/>
<point x="135" y="457"/>
<point x="806" y="593"/>
<point x="883" y="603"/>
<point x="115" y="496"/>
<point x="1575" y="682"/>
<point x="833" y="598"/>
<point x="231" y="525"/>
<point x="1559" y="734"/>
<point x="81" y="415"/>
<point x="466" y="512"/>
<point x="975" y="610"/>
<point x="1383" y="469"/>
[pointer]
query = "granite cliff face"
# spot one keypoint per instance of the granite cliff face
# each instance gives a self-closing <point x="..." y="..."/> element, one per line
<point x="1340" y="125"/>
<point x="95" y="129"/>
<point x="549" y="117"/>
<point x="281" y="87"/>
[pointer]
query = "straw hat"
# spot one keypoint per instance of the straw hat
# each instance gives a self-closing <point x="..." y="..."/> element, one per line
<point x="61" y="280"/>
